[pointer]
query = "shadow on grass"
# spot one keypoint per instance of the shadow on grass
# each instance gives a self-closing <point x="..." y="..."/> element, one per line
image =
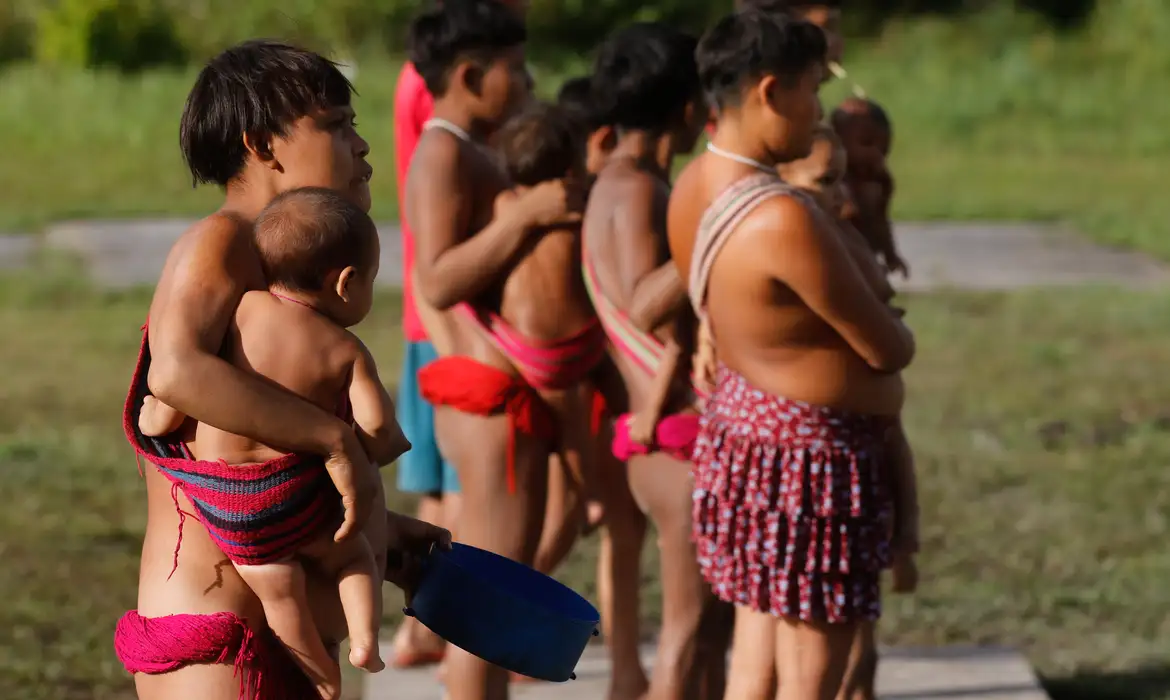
<point x="1145" y="683"/>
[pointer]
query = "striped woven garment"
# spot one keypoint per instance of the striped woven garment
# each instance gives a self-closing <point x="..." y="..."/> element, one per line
<point x="256" y="513"/>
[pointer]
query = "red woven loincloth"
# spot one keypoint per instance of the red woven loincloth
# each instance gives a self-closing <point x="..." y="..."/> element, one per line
<point x="155" y="645"/>
<point x="792" y="512"/>
<point x="473" y="387"/>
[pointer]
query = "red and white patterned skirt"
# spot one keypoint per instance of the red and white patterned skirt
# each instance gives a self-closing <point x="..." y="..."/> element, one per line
<point x="792" y="509"/>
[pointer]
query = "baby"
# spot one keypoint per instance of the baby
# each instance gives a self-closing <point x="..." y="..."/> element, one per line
<point x="867" y="135"/>
<point x="575" y="98"/>
<point x="821" y="175"/>
<point x="320" y="257"/>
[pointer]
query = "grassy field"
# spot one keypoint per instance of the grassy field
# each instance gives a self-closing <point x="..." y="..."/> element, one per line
<point x="995" y="116"/>
<point x="1040" y="421"/>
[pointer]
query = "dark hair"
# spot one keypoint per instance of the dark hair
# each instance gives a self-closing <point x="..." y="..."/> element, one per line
<point x="880" y="116"/>
<point x="306" y="233"/>
<point x="865" y="108"/>
<point x="544" y="142"/>
<point x="645" y="75"/>
<point x="257" y="88"/>
<point x="576" y="98"/>
<point x="476" y="30"/>
<point x="745" y="46"/>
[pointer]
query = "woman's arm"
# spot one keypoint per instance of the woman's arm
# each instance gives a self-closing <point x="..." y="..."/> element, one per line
<point x="206" y="274"/>
<point x="810" y="257"/>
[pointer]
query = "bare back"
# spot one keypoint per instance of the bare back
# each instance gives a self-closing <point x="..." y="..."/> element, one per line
<point x="544" y="296"/>
<point x="763" y="326"/>
<point x="625" y="240"/>
<point x="290" y="345"/>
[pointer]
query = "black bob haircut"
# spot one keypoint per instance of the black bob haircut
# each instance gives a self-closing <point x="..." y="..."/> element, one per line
<point x="645" y="75"/>
<point x="306" y="233"/>
<point x="256" y="88"/>
<point x="750" y="44"/>
<point x="476" y="30"/>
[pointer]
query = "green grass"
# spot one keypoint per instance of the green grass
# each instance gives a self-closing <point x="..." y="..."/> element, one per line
<point x="100" y="145"/>
<point x="1040" y="421"/>
<point x="996" y="118"/>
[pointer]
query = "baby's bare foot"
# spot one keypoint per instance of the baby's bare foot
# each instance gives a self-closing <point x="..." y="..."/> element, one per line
<point x="366" y="657"/>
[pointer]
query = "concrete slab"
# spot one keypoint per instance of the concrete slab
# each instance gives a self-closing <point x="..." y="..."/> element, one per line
<point x="950" y="673"/>
<point x="983" y="256"/>
<point x="973" y="256"/>
<point x="130" y="253"/>
<point x="17" y="250"/>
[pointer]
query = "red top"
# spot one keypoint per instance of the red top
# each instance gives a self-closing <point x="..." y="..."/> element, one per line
<point x="412" y="108"/>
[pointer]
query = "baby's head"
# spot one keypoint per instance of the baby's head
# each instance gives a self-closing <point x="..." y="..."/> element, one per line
<point x="576" y="98"/>
<point x="544" y="142"/>
<point x="822" y="172"/>
<point x="866" y="131"/>
<point x="314" y="242"/>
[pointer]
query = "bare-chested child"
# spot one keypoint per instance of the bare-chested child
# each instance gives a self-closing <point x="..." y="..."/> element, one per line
<point x="792" y="446"/>
<point x="867" y="135"/>
<point x="496" y="426"/>
<point x="266" y="511"/>
<point x="646" y="81"/>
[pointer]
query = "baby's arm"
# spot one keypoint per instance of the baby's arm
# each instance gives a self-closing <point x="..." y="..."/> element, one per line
<point x="373" y="412"/>
<point x="280" y="587"/>
<point x="875" y="196"/>
<point x="643" y="423"/>
<point x="157" y="419"/>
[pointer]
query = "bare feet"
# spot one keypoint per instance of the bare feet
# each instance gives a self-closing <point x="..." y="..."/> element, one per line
<point x="366" y="657"/>
<point x="416" y="646"/>
<point x="632" y="688"/>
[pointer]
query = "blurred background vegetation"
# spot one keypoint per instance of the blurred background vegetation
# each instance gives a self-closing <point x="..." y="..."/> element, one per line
<point x="135" y="34"/>
<point x="1032" y="110"/>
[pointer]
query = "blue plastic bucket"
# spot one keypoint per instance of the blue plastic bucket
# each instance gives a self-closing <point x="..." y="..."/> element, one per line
<point x="504" y="612"/>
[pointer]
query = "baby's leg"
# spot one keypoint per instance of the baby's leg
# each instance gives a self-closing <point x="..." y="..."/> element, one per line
<point x="281" y="589"/>
<point x="352" y="563"/>
<point x="157" y="419"/>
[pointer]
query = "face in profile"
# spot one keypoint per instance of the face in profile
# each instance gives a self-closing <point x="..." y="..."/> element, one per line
<point x="821" y="173"/>
<point x="506" y="86"/>
<point x="797" y="109"/>
<point x="323" y="149"/>
<point x="866" y="142"/>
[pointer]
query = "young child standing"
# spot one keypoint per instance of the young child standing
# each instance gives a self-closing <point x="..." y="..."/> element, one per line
<point x="267" y="510"/>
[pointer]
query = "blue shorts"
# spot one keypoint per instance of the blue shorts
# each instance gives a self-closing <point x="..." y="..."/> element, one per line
<point x="423" y="469"/>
